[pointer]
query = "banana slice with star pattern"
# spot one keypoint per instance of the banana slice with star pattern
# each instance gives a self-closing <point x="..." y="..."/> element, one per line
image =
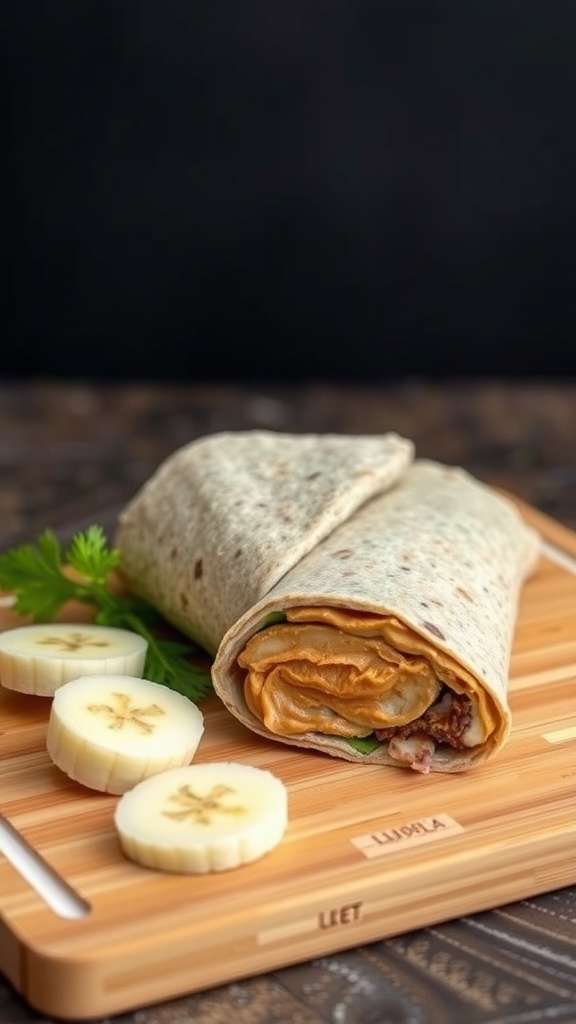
<point x="109" y="732"/>
<point x="39" y="658"/>
<point x="203" y="818"/>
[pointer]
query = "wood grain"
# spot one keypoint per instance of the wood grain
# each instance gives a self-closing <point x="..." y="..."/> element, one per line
<point x="369" y="852"/>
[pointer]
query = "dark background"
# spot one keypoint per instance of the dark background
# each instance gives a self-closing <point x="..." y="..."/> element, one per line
<point x="279" y="189"/>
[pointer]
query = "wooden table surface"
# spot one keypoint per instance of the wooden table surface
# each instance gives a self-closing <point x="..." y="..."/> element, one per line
<point x="73" y="452"/>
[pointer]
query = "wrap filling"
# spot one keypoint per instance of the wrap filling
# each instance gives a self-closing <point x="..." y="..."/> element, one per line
<point x="364" y="676"/>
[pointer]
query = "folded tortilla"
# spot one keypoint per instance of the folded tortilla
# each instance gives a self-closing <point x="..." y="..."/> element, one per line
<point x="385" y="640"/>
<point x="223" y="518"/>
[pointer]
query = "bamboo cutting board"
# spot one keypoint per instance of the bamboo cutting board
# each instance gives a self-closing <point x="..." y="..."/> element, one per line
<point x="369" y="852"/>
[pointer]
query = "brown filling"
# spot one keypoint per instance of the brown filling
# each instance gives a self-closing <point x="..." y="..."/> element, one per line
<point x="444" y="721"/>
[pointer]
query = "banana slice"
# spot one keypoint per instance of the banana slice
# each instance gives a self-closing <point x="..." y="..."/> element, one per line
<point x="40" y="658"/>
<point x="202" y="818"/>
<point x="110" y="732"/>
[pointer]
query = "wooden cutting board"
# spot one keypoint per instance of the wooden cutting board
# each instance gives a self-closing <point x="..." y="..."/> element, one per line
<point x="370" y="852"/>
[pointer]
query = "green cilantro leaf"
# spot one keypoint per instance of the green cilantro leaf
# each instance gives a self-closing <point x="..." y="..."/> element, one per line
<point x="169" y="662"/>
<point x="34" y="575"/>
<point x="90" y="555"/>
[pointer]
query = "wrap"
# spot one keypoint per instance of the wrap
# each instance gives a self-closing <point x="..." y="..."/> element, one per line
<point x="386" y="640"/>
<point x="223" y="518"/>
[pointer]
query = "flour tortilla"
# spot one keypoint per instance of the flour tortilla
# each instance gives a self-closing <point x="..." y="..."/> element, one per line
<point x="226" y="516"/>
<point x="440" y="560"/>
<point x="238" y="530"/>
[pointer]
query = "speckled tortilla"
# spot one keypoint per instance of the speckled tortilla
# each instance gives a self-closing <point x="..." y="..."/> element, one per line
<point x="239" y="527"/>
<point x="441" y="554"/>
<point x="226" y="516"/>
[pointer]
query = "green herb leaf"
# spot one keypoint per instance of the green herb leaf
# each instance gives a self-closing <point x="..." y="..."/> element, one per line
<point x="272" y="619"/>
<point x="90" y="555"/>
<point x="34" y="575"/>
<point x="364" y="745"/>
<point x="37" y="577"/>
<point x="169" y="664"/>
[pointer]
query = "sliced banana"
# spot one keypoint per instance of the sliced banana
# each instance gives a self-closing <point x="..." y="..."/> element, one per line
<point x="40" y="658"/>
<point x="110" y="732"/>
<point x="202" y="818"/>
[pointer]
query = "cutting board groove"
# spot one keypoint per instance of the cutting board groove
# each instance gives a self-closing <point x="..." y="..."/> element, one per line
<point x="438" y="847"/>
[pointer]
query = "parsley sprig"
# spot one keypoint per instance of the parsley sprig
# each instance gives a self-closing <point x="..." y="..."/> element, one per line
<point x="43" y="577"/>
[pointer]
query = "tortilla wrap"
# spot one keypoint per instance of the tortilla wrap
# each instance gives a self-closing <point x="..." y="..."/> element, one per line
<point x="385" y="640"/>
<point x="223" y="518"/>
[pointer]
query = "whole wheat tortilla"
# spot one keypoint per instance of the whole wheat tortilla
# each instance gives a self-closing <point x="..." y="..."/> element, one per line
<point x="440" y="559"/>
<point x="225" y="517"/>
<point x="239" y="530"/>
